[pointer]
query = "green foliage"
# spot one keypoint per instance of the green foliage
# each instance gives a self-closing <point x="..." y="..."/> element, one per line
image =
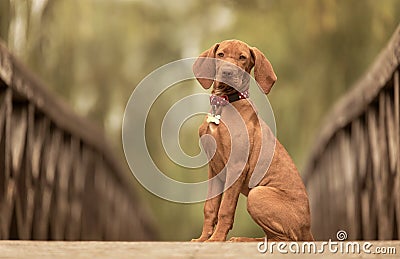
<point x="94" y="52"/>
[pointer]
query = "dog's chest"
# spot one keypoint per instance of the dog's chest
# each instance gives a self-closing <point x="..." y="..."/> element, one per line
<point x="226" y="139"/>
<point x="239" y="137"/>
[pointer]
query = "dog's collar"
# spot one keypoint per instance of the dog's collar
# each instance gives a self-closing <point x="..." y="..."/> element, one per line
<point x="222" y="100"/>
<point x="217" y="101"/>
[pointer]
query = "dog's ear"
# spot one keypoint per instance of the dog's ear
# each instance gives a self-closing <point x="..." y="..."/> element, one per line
<point x="204" y="67"/>
<point x="263" y="71"/>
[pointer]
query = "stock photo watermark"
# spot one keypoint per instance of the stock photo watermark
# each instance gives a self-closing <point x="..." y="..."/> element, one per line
<point x="341" y="246"/>
<point x="135" y="143"/>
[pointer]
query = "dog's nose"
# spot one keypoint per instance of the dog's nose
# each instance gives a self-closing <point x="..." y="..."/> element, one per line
<point x="227" y="72"/>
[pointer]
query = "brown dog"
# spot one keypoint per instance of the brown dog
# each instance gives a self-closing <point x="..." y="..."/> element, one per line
<point x="276" y="198"/>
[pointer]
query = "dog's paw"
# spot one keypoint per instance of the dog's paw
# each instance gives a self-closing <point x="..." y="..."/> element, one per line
<point x="235" y="239"/>
<point x="216" y="239"/>
<point x="200" y="239"/>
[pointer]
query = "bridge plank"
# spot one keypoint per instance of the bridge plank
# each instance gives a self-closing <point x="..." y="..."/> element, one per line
<point x="397" y="130"/>
<point x="121" y="250"/>
<point x="8" y="197"/>
<point x="351" y="190"/>
<point x="385" y="205"/>
<point x="391" y="134"/>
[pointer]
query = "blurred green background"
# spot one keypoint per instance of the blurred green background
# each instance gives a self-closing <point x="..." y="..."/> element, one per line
<point x="94" y="52"/>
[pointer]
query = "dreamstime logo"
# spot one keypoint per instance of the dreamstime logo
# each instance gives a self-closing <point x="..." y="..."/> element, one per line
<point x="135" y="141"/>
<point x="341" y="235"/>
<point x="334" y="247"/>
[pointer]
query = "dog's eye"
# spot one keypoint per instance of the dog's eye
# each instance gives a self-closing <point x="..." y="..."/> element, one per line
<point x="242" y="57"/>
<point x="221" y="55"/>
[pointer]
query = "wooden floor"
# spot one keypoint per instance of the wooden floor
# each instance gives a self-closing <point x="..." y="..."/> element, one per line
<point x="120" y="250"/>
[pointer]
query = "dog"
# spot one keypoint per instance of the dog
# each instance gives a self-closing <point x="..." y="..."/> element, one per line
<point x="276" y="196"/>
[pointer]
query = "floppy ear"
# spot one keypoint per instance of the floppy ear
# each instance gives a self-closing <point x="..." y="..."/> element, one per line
<point x="204" y="67"/>
<point x="263" y="71"/>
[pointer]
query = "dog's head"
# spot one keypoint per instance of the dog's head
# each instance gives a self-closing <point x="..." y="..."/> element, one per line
<point x="226" y="63"/>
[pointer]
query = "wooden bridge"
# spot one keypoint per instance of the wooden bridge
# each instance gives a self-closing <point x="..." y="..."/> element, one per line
<point x="59" y="179"/>
<point x="353" y="174"/>
<point x="54" y="165"/>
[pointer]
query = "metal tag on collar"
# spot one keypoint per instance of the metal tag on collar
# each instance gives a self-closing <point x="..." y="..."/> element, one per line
<point x="213" y="116"/>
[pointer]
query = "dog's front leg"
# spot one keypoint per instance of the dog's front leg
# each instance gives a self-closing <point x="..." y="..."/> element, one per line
<point x="211" y="207"/>
<point x="227" y="208"/>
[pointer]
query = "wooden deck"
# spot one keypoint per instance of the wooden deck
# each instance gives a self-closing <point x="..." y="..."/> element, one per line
<point x="120" y="250"/>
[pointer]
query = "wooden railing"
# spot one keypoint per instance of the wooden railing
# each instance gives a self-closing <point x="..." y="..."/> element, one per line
<point x="353" y="174"/>
<point x="59" y="179"/>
